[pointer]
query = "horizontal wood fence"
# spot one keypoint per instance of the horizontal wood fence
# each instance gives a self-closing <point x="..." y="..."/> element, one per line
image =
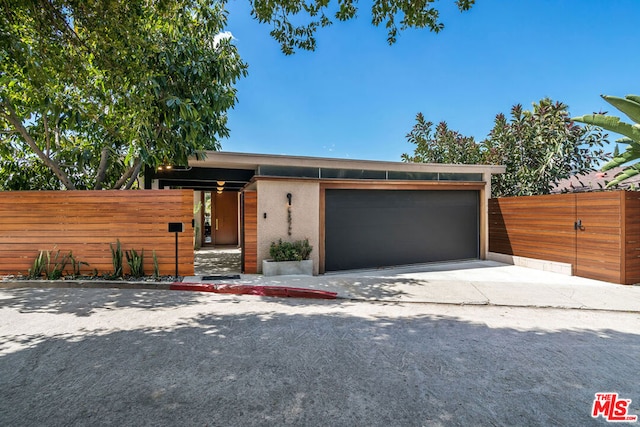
<point x="87" y="222"/>
<point x="597" y="233"/>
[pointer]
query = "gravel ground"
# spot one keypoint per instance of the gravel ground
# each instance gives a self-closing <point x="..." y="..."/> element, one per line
<point x="138" y="357"/>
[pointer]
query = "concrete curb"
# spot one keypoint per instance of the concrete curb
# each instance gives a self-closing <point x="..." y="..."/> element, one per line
<point x="85" y="284"/>
<point x="258" y="290"/>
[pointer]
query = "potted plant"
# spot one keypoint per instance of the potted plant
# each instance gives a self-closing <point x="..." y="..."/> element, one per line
<point x="288" y="258"/>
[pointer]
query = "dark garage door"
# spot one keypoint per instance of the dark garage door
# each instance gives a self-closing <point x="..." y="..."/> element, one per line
<point x="376" y="228"/>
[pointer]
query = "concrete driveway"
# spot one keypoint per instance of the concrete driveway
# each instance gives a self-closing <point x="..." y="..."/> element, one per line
<point x="155" y="357"/>
<point x="465" y="283"/>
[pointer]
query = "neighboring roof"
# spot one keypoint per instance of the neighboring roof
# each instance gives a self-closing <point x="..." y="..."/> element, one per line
<point x="222" y="159"/>
<point x="594" y="181"/>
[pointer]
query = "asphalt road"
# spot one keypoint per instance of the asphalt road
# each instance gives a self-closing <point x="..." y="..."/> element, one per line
<point x="131" y="357"/>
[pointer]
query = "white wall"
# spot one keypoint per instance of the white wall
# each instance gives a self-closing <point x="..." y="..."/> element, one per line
<point x="305" y="215"/>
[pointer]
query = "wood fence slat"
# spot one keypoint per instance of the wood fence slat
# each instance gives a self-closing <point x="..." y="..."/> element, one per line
<point x="607" y="247"/>
<point x="86" y="222"/>
<point x="250" y="244"/>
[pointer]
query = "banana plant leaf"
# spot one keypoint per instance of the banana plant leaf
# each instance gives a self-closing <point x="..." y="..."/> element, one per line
<point x="628" y="106"/>
<point x="631" y="153"/>
<point x="625" y="140"/>
<point x="611" y="123"/>
<point x="632" y="170"/>
<point x="634" y="98"/>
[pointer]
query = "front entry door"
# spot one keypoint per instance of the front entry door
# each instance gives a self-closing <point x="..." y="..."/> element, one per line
<point x="225" y="218"/>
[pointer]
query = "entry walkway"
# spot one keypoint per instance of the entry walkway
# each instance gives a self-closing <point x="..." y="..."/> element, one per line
<point x="217" y="260"/>
<point x="463" y="283"/>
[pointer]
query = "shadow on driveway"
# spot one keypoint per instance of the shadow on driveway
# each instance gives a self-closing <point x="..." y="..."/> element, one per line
<point x="313" y="369"/>
<point x="85" y="301"/>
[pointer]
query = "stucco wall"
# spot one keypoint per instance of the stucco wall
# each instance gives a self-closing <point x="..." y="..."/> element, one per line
<point x="305" y="215"/>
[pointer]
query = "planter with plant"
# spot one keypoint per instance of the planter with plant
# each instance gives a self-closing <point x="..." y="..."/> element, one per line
<point x="289" y="258"/>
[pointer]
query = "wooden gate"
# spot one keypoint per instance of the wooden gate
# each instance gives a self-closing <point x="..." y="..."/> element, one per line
<point x="597" y="233"/>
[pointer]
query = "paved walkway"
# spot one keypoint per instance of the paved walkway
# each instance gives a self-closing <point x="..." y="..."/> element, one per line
<point x="219" y="260"/>
<point x="463" y="283"/>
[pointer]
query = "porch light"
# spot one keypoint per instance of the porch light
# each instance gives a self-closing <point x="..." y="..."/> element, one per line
<point x="220" y="183"/>
<point x="220" y="189"/>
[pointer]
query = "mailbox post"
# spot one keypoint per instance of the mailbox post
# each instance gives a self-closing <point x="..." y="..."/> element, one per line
<point x="176" y="227"/>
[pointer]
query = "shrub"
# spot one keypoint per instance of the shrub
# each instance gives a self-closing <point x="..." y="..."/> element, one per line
<point x="290" y="251"/>
<point x="156" y="266"/>
<point x="59" y="264"/>
<point x="136" y="262"/>
<point x="53" y="268"/>
<point x="76" y="264"/>
<point x="38" y="266"/>
<point x="116" y="259"/>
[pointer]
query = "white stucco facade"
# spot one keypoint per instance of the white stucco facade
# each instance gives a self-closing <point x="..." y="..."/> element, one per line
<point x="305" y="215"/>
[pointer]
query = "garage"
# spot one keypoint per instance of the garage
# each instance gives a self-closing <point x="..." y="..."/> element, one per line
<point x="380" y="228"/>
<point x="356" y="214"/>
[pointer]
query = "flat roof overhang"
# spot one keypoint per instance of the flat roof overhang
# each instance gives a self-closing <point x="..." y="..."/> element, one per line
<point x="238" y="169"/>
<point x="223" y="159"/>
<point x="200" y="178"/>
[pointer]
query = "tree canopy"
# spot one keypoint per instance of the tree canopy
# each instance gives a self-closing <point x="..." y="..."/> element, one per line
<point x="538" y="147"/>
<point x="90" y="91"/>
<point x="295" y="22"/>
<point x="442" y="146"/>
<point x="93" y="90"/>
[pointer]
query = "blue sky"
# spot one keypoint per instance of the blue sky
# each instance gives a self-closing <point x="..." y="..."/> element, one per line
<point x="357" y="97"/>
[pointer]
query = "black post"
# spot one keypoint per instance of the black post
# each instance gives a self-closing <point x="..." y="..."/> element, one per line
<point x="176" y="256"/>
<point x="176" y="227"/>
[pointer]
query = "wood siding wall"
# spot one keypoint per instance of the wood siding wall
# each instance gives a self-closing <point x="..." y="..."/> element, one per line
<point x="606" y="245"/>
<point x="538" y="227"/>
<point x="632" y="237"/>
<point x="86" y="222"/>
<point x="250" y="232"/>
<point x="599" y="241"/>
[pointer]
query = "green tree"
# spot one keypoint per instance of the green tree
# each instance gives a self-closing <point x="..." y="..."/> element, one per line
<point x="630" y="106"/>
<point x="93" y="90"/>
<point x="442" y="146"/>
<point x="295" y="22"/>
<point x="538" y="147"/>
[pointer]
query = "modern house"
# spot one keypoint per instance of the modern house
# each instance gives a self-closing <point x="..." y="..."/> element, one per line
<point x="355" y="213"/>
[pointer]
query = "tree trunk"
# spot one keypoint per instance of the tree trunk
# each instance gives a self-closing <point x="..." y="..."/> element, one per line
<point x="13" y="118"/>
<point x="102" y="168"/>
<point x="133" y="177"/>
<point x="136" y="167"/>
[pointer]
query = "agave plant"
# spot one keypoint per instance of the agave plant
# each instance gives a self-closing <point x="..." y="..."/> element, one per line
<point x="629" y="105"/>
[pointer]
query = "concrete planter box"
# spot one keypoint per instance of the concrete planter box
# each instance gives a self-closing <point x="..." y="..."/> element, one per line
<point x="287" y="268"/>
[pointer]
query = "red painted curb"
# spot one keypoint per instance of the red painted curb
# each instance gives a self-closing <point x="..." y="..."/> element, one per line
<point x="265" y="291"/>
